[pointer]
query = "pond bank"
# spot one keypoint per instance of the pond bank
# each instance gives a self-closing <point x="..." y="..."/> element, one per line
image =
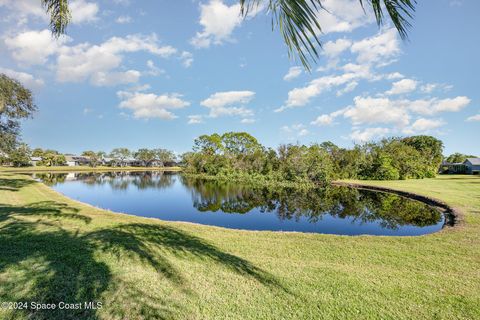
<point x="142" y="268"/>
<point x="454" y="216"/>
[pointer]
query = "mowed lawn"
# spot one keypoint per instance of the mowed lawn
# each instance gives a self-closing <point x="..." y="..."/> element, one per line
<point x="55" y="249"/>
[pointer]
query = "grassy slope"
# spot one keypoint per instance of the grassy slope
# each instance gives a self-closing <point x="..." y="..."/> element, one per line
<point x="55" y="249"/>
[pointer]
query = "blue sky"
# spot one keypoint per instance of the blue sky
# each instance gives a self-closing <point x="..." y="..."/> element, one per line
<point x="160" y="73"/>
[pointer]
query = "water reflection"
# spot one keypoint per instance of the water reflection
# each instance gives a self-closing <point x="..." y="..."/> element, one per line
<point x="357" y="211"/>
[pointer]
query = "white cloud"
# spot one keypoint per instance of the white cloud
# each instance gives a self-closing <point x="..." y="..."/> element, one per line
<point x="301" y="96"/>
<point x="342" y="16"/>
<point x="379" y="49"/>
<point x="402" y="86"/>
<point x="296" y="129"/>
<point x="293" y="73"/>
<point x="369" y="134"/>
<point x="150" y="105"/>
<point x="85" y="61"/>
<point x="34" y="47"/>
<point x="423" y="125"/>
<point x="229" y="103"/>
<point x="348" y="88"/>
<point x="474" y="118"/>
<point x="153" y="69"/>
<point x="187" y="59"/>
<point x="247" y="121"/>
<point x="97" y="63"/>
<point x="25" y="78"/>
<point x="435" y="105"/>
<point x="124" y="19"/>
<point x="376" y="110"/>
<point x="218" y="21"/>
<point x="115" y="78"/>
<point x="83" y="11"/>
<point x="323" y="120"/>
<point x="394" y="75"/>
<point x="334" y="48"/>
<point x="195" y="119"/>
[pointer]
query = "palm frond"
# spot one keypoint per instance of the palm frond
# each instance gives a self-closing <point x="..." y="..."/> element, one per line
<point x="298" y="22"/>
<point x="59" y="15"/>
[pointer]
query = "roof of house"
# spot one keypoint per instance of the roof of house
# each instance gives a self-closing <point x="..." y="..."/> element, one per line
<point x="36" y="158"/>
<point x="474" y="161"/>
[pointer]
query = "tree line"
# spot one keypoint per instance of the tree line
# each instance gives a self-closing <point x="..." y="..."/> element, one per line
<point x="21" y="156"/>
<point x="237" y="155"/>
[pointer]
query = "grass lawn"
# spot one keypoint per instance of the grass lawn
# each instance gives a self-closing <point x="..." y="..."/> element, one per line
<point x="55" y="249"/>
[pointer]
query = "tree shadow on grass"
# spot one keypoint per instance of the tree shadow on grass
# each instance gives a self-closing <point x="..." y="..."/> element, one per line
<point x="7" y="184"/>
<point x="41" y="262"/>
<point x="142" y="238"/>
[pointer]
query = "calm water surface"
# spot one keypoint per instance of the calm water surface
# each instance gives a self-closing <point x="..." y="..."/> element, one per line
<point x="172" y="196"/>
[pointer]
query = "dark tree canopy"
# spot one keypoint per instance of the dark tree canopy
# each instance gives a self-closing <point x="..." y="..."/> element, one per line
<point x="16" y="103"/>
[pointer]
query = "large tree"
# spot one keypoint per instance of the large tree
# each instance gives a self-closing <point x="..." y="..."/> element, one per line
<point x="16" y="103"/>
<point x="119" y="155"/>
<point x="297" y="20"/>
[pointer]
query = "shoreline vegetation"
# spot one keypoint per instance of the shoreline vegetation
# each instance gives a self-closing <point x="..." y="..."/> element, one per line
<point x="84" y="169"/>
<point x="147" y="268"/>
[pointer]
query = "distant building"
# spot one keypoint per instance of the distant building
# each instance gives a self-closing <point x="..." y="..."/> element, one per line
<point x="73" y="161"/>
<point x="469" y="166"/>
<point x="472" y="165"/>
<point x="35" y="160"/>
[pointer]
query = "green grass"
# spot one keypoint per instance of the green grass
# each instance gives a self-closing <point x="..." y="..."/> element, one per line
<point x="55" y="249"/>
<point x="84" y="168"/>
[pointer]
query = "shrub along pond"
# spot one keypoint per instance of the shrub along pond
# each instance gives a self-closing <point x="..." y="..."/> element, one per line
<point x="172" y="196"/>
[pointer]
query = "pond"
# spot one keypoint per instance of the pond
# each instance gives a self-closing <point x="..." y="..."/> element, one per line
<point x="174" y="197"/>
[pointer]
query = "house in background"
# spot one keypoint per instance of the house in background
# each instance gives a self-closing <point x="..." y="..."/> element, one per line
<point x="73" y="161"/>
<point x="472" y="165"/>
<point x="35" y="160"/>
<point x="469" y="166"/>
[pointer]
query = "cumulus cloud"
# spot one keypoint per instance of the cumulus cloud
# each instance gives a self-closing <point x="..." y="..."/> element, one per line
<point x="26" y="79"/>
<point x="293" y="73"/>
<point x="369" y="134"/>
<point x="342" y="16"/>
<point x="85" y="61"/>
<point x="34" y="47"/>
<point x="101" y="64"/>
<point x="435" y="105"/>
<point x="334" y="48"/>
<point x="367" y="110"/>
<point x="218" y="21"/>
<point x="402" y="86"/>
<point x="379" y="49"/>
<point x="195" y="119"/>
<point x="298" y="97"/>
<point x="21" y="10"/>
<point x="150" y="105"/>
<point x="423" y="125"/>
<point x="83" y="11"/>
<point x="229" y="103"/>
<point x="323" y="120"/>
<point x="371" y="52"/>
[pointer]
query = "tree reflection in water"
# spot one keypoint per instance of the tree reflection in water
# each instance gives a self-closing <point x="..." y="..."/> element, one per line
<point x="361" y="206"/>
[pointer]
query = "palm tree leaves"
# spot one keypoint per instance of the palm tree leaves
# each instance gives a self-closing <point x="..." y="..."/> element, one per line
<point x="298" y="22"/>
<point x="59" y="15"/>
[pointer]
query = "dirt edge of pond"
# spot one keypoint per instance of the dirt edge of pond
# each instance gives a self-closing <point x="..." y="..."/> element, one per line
<point x="454" y="216"/>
